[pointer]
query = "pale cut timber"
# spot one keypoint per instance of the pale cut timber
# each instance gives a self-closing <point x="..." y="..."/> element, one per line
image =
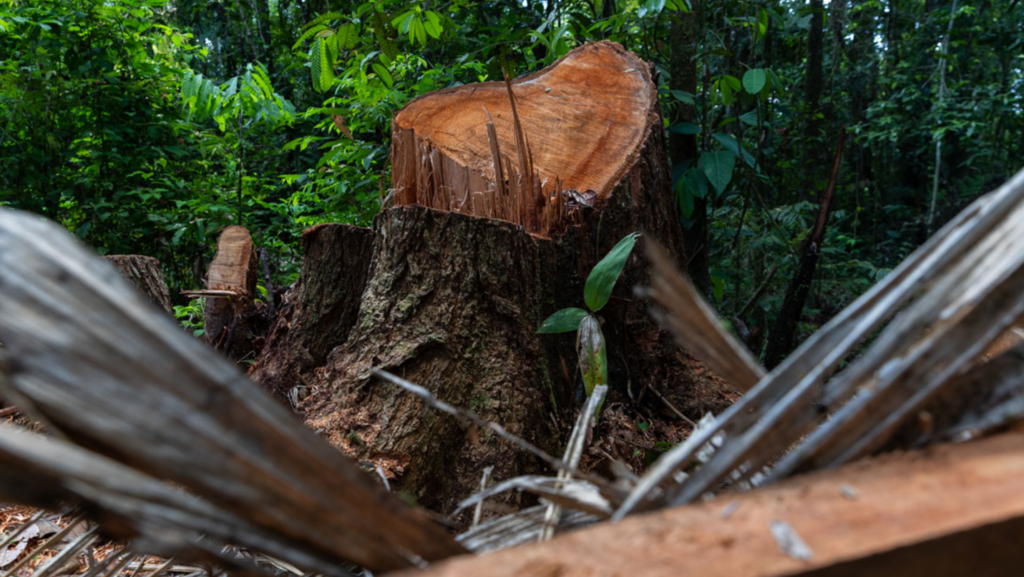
<point x="230" y="285"/>
<point x="950" y="510"/>
<point x="585" y="119"/>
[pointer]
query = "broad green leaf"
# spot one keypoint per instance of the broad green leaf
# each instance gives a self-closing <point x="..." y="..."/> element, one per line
<point x="684" y="128"/>
<point x="718" y="167"/>
<point x="308" y="34"/>
<point x="696" y="182"/>
<point x="433" y="24"/>
<point x="684" y="199"/>
<point x="417" y="30"/>
<point x="402" y="22"/>
<point x="750" y="118"/>
<point x="732" y="145"/>
<point x="347" y="37"/>
<point x="684" y="97"/>
<point x="726" y="89"/>
<point x="602" y="279"/>
<point x="383" y="74"/>
<point x="563" y="321"/>
<point x="315" y="64"/>
<point x="732" y="82"/>
<point x="754" y="80"/>
<point x="593" y="354"/>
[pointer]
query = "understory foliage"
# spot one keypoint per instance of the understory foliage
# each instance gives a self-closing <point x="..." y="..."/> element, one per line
<point x="145" y="126"/>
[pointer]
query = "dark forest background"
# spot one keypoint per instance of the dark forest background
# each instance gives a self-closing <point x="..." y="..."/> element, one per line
<point x="145" y="126"/>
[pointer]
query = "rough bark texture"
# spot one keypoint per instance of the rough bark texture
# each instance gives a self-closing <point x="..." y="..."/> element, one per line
<point x="320" y="310"/>
<point x="453" y="302"/>
<point x="453" y="305"/>
<point x="145" y="274"/>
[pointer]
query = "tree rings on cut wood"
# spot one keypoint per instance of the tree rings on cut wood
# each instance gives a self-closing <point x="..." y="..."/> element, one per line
<point x="145" y="274"/>
<point x="584" y="121"/>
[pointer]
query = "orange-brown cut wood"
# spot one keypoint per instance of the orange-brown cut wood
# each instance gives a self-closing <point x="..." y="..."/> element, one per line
<point x="585" y="118"/>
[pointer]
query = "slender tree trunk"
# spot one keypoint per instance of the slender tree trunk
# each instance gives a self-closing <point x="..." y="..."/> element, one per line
<point x="813" y="86"/>
<point x="683" y="147"/>
<point x="780" y="340"/>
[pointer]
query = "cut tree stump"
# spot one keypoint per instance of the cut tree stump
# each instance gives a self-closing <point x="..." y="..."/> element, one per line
<point x="145" y="274"/>
<point x="230" y="294"/>
<point x="468" y="264"/>
<point x="320" y="311"/>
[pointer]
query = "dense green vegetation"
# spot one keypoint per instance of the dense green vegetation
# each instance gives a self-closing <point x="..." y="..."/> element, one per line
<point x="144" y="126"/>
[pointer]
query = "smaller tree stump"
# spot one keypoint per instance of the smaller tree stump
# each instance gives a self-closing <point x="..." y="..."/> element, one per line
<point x="320" y="310"/>
<point x="145" y="273"/>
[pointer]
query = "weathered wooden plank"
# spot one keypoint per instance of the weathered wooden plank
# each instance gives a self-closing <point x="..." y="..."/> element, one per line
<point x="950" y="510"/>
<point x="92" y="358"/>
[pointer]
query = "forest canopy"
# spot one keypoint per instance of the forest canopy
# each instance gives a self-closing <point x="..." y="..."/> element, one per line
<point x="147" y="126"/>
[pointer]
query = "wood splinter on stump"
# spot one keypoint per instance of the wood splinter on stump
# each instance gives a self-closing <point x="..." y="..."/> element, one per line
<point x="490" y="235"/>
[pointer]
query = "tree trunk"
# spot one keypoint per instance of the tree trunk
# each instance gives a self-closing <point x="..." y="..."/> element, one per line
<point x="145" y="274"/>
<point x="780" y="340"/>
<point x="320" y="311"/>
<point x="683" y="147"/>
<point x="468" y="264"/>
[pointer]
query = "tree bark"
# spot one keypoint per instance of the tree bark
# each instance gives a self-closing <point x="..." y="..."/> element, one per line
<point x="145" y="274"/>
<point x="683" y="147"/>
<point x="320" y="310"/>
<point x="468" y="264"/>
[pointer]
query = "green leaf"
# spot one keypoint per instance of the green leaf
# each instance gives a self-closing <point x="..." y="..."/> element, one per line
<point x="732" y="82"/>
<point x="717" y="288"/>
<point x="347" y="37"/>
<point x="308" y="34"/>
<point x="696" y="182"/>
<point x="321" y="67"/>
<point x="602" y="279"/>
<point x="726" y="90"/>
<point x="684" y="128"/>
<point x="417" y="30"/>
<point x="684" y="97"/>
<point x="684" y="199"/>
<point x="754" y="80"/>
<point x="750" y="118"/>
<point x="383" y="74"/>
<point x="402" y="22"/>
<point x="593" y="354"/>
<point x="315" y="63"/>
<point x="718" y="167"/>
<point x="564" y="321"/>
<point x="733" y="146"/>
<point x="433" y="24"/>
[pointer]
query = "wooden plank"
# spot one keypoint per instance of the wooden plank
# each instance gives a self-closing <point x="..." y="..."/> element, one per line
<point x="949" y="510"/>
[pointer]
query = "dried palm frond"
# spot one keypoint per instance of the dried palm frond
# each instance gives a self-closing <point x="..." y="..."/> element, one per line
<point x="967" y="286"/>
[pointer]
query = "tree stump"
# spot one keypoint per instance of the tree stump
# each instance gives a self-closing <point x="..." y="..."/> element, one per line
<point x="230" y="316"/>
<point x="145" y="274"/>
<point x="319" y="311"/>
<point x="502" y="211"/>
